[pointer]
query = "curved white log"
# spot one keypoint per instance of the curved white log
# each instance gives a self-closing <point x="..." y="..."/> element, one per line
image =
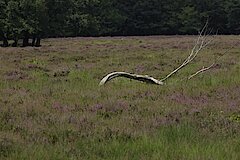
<point x="143" y="78"/>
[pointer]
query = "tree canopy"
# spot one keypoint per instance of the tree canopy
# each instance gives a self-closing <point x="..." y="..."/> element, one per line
<point x="36" y="19"/>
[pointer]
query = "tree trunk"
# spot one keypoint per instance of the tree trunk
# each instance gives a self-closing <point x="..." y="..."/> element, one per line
<point x="25" y="40"/>
<point x="33" y="41"/>
<point x="5" y="41"/>
<point x="15" y="43"/>
<point x="38" y="42"/>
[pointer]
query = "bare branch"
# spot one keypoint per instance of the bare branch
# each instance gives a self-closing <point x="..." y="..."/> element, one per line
<point x="200" y="44"/>
<point x="204" y="69"/>
<point x="201" y="71"/>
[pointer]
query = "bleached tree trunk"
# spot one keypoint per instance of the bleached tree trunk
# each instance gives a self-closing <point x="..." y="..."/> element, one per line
<point x="143" y="78"/>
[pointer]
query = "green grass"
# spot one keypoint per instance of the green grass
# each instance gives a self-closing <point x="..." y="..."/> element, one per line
<point x="174" y="142"/>
<point x="51" y="106"/>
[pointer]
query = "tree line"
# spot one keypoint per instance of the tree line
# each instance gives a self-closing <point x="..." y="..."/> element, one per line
<point x="27" y="20"/>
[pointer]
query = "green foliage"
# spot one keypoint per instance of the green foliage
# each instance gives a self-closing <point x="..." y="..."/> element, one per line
<point x="189" y="20"/>
<point x="22" y="19"/>
<point x="13" y="16"/>
<point x="235" y="118"/>
<point x="3" y="19"/>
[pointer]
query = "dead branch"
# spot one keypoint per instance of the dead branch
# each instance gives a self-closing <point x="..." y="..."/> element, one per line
<point x="201" y="43"/>
<point x="204" y="69"/>
<point x="201" y="71"/>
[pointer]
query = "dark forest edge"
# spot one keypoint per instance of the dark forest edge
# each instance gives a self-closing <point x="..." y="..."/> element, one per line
<point x="27" y="20"/>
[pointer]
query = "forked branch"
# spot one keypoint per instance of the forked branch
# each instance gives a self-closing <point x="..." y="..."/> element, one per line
<point x="200" y="44"/>
<point x="204" y="69"/>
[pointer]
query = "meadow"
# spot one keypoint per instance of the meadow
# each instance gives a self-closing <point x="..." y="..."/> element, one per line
<point x="51" y="106"/>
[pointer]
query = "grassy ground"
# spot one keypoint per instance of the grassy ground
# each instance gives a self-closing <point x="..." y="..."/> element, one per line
<point x="51" y="106"/>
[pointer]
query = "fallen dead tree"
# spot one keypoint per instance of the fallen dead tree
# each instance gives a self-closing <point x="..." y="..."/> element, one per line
<point x="143" y="78"/>
<point x="203" y="40"/>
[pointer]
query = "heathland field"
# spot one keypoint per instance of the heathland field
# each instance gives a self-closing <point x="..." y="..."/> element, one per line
<point x="51" y="106"/>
